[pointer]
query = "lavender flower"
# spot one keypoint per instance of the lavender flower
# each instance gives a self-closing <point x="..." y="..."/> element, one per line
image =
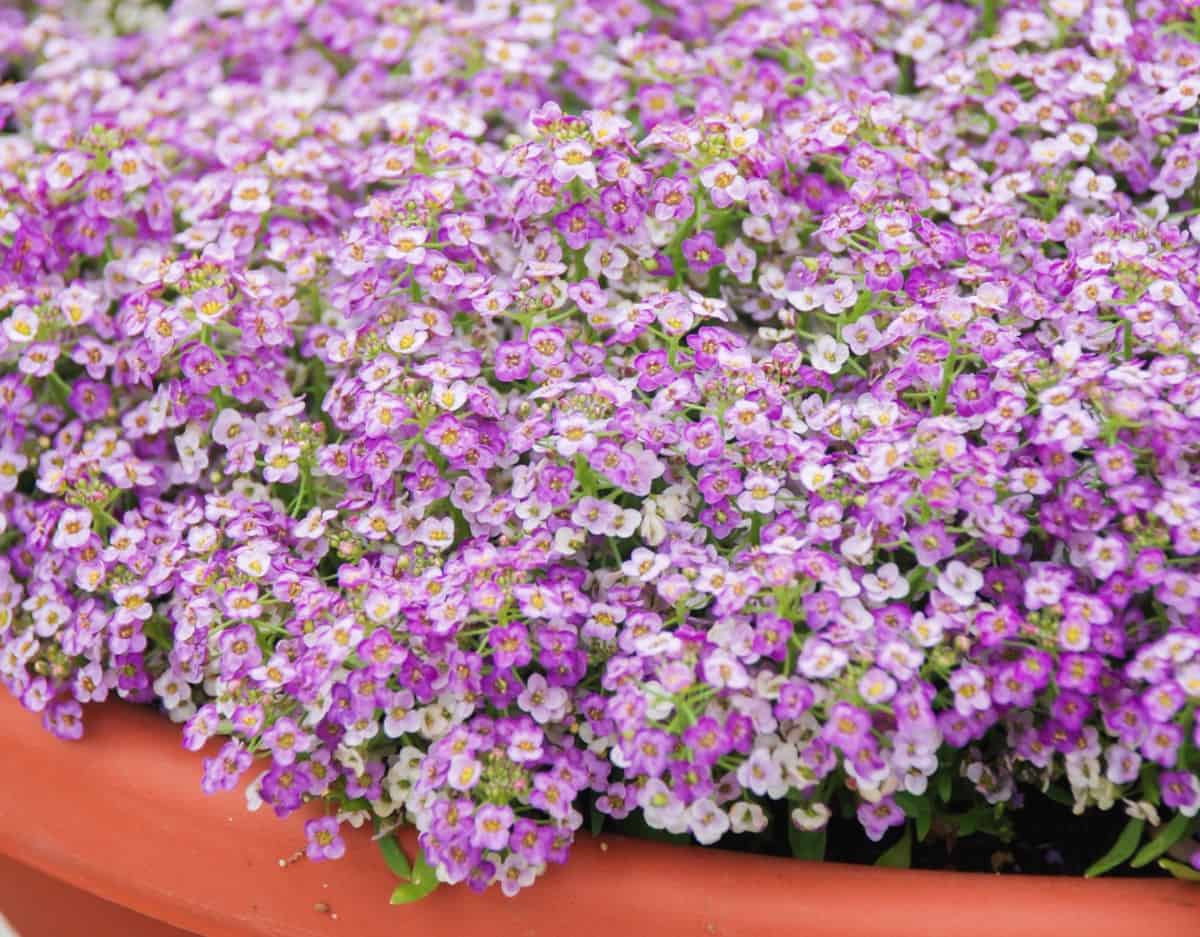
<point x="519" y="429"/>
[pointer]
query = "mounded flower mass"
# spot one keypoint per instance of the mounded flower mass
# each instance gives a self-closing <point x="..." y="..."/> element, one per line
<point x="484" y="415"/>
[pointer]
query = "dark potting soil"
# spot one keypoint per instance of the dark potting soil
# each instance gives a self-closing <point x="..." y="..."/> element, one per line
<point x="1048" y="839"/>
<point x="1043" y="837"/>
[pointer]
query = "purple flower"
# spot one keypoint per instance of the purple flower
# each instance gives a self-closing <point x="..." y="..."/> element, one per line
<point x="284" y="787"/>
<point x="671" y="199"/>
<point x="221" y="772"/>
<point x="239" y="645"/>
<point x="512" y="361"/>
<point x="724" y="183"/>
<point x="510" y="431"/>
<point x="65" y="719"/>
<point x="324" y="839"/>
<point x="702" y="253"/>
<point x="931" y="543"/>
<point x="552" y="796"/>
<point x="1181" y="791"/>
<point x="285" y="740"/>
<point x="577" y="226"/>
<point x="878" y="818"/>
<point x="493" y="823"/>
<point x="1161" y="744"/>
<point x="848" y="728"/>
<point x="707" y="740"/>
<point x="66" y="169"/>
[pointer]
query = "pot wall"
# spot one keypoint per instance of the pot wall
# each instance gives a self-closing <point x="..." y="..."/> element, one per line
<point x="121" y="815"/>
<point x="37" y="905"/>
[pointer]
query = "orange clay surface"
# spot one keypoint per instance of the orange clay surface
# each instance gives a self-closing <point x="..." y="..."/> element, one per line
<point x="120" y="815"/>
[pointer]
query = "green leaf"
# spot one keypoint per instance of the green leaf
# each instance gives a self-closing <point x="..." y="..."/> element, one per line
<point x="423" y="881"/>
<point x="924" y="824"/>
<point x="423" y="872"/>
<point x="394" y="856"/>
<point x="1150" y="790"/>
<point x="407" y="894"/>
<point x="597" y="821"/>
<point x="900" y="855"/>
<point x="945" y="785"/>
<point x="1121" y="850"/>
<point x="805" y="844"/>
<point x="919" y="809"/>
<point x="975" y="821"/>
<point x="1179" y="870"/>
<point x="865" y="299"/>
<point x="1170" y="834"/>
<point x="966" y="823"/>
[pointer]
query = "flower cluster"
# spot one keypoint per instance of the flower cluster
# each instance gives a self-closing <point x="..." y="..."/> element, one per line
<point x="483" y="415"/>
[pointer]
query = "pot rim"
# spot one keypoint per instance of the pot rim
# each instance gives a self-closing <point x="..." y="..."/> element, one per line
<point x="120" y="814"/>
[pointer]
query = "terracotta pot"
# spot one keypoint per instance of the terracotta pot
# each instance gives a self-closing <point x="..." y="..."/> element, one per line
<point x="120" y="815"/>
<point x="38" y="905"/>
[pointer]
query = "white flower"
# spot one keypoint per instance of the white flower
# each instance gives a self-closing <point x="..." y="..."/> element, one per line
<point x="645" y="565"/>
<point x="814" y="476"/>
<point x="73" y="530"/>
<point x="805" y="298"/>
<point x="22" y="325"/>
<point x="203" y="539"/>
<point x="251" y="194"/>
<point x="747" y="817"/>
<point x="828" y="354"/>
<point x="707" y="821"/>
<point x="626" y="523"/>
<point x="885" y="584"/>
<point x="253" y="793"/>
<point x="661" y="809"/>
<point x="839" y="296"/>
<point x="810" y="817"/>
<point x="659" y="645"/>
<point x="65" y="169"/>
<point x="1079" y="138"/>
<point x="1047" y="152"/>
<point x="312" y="525"/>
<point x="741" y="139"/>
<point x="569" y="540"/>
<point x="407" y="337"/>
<point x="406" y="244"/>
<point x="1087" y="184"/>
<point x="919" y="43"/>
<point x="723" y="670"/>
<point x="960" y="582"/>
<point x="758" y="494"/>
<point x="1142" y="810"/>
<point x="253" y="559"/>
<point x="827" y="56"/>
<point x="653" y="530"/>
<point x="193" y="452"/>
<point x="1068" y="9"/>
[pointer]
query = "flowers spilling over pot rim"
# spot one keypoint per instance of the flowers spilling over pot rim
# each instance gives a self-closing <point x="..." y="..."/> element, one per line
<point x="484" y="414"/>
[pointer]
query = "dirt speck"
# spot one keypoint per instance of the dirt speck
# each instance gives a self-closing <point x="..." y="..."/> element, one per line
<point x="1002" y="860"/>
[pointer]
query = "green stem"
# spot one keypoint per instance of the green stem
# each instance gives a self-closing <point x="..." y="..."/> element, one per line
<point x="987" y="21"/>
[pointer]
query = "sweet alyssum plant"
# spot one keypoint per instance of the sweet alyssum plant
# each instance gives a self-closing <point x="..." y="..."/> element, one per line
<point x="482" y="416"/>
